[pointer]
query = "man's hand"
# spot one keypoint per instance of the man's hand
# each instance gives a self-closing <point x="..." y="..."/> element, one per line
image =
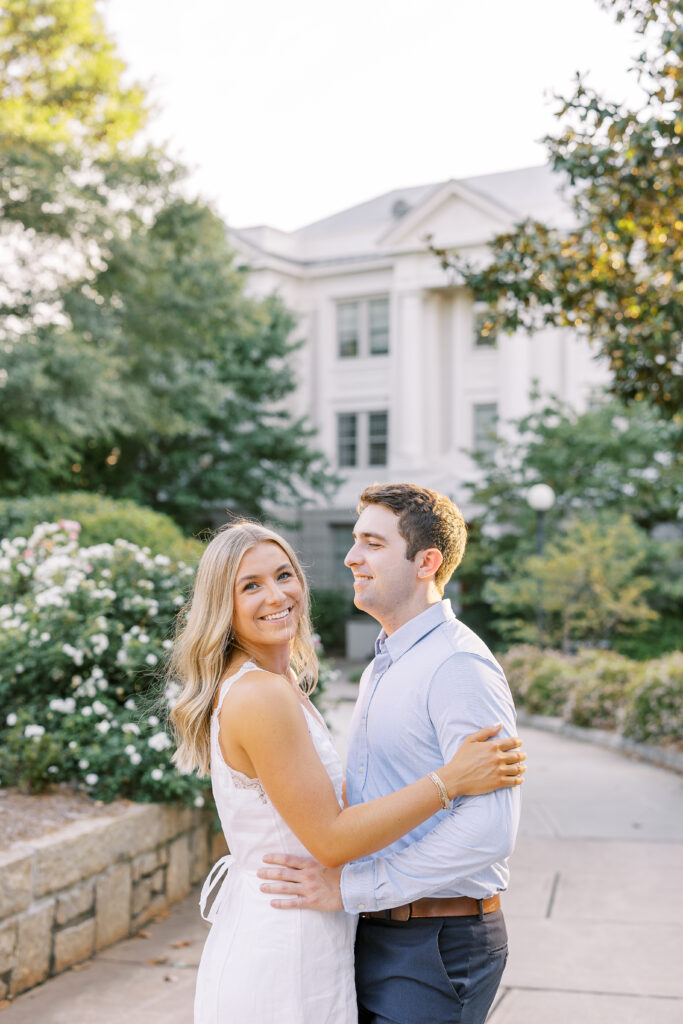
<point x="305" y="882"/>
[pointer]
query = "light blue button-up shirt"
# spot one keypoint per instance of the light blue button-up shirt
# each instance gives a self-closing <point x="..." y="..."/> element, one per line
<point x="431" y="683"/>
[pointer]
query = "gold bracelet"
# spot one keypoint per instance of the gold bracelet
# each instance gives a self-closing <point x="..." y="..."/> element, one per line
<point x="443" y="792"/>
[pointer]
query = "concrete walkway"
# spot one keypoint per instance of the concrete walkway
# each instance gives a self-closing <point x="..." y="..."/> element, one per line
<point x="594" y="912"/>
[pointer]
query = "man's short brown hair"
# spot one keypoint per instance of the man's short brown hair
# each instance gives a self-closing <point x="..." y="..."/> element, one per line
<point x="426" y="519"/>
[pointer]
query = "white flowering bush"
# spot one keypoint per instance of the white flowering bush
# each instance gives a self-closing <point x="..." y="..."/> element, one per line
<point x="83" y="633"/>
<point x="655" y="708"/>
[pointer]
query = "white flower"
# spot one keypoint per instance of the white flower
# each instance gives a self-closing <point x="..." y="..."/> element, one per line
<point x="11" y="719"/>
<point x="151" y="659"/>
<point x="73" y="745"/>
<point x="92" y="779"/>
<point x="131" y="727"/>
<point x="143" y="638"/>
<point x="44" y="637"/>
<point x="130" y="704"/>
<point x="100" y="642"/>
<point x="129" y="749"/>
<point x="199" y="801"/>
<point x="83" y="764"/>
<point x="66" y="706"/>
<point x="72" y="652"/>
<point x="103" y="727"/>
<point x="121" y="656"/>
<point x="135" y="758"/>
<point x="153" y="720"/>
<point x="178" y="601"/>
<point x="86" y="711"/>
<point x="99" y="708"/>
<point x="167" y="644"/>
<point x="19" y="668"/>
<point x="35" y="731"/>
<point x="102" y="684"/>
<point x="53" y="769"/>
<point x="162" y="560"/>
<point x="159" y="741"/>
<point x="157" y="774"/>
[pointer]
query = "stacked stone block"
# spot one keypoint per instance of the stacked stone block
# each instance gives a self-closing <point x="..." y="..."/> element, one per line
<point x="72" y="892"/>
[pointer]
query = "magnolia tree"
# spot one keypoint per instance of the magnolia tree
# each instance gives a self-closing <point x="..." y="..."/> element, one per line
<point x="83" y="636"/>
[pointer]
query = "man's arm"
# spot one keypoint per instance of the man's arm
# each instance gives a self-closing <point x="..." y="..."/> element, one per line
<point x="479" y="832"/>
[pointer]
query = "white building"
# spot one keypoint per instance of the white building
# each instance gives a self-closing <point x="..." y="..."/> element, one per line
<point x="397" y="372"/>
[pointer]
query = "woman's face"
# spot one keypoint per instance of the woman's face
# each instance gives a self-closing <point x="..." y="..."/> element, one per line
<point x="268" y="597"/>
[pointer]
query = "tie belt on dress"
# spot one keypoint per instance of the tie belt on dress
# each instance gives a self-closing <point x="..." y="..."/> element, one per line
<point x="214" y="883"/>
<point x="456" y="906"/>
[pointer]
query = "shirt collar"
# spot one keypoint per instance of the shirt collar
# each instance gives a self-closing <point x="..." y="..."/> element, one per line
<point x="413" y="630"/>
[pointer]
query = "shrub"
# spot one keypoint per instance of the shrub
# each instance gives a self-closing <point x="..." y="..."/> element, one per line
<point x="654" y="713"/>
<point x="103" y="520"/>
<point x="329" y="611"/>
<point x="82" y="635"/>
<point x="540" y="680"/>
<point x="599" y="696"/>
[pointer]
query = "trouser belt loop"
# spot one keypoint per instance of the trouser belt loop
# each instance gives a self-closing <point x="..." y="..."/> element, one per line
<point x="480" y="904"/>
<point x="387" y="914"/>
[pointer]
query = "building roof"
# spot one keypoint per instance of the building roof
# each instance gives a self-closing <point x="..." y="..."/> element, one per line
<point x="359" y="231"/>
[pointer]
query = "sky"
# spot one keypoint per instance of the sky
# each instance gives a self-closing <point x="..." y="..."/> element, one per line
<point x="287" y="112"/>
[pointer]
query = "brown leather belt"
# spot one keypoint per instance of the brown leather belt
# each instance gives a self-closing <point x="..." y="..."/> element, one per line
<point x="457" y="906"/>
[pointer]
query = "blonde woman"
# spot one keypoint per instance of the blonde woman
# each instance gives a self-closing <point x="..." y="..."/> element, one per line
<point x="246" y="660"/>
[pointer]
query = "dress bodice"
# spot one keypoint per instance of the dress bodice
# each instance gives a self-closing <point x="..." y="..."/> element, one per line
<point x="250" y="822"/>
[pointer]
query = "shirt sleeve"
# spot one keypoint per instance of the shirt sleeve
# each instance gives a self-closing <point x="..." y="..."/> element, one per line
<point x="465" y="694"/>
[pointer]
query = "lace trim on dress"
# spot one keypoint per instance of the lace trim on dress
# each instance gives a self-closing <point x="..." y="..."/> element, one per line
<point x="240" y="780"/>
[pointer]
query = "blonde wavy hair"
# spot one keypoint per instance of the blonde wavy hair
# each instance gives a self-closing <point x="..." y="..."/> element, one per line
<point x="205" y="642"/>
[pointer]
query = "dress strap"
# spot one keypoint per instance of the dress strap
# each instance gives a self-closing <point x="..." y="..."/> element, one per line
<point x="214" y="881"/>
<point x="248" y="666"/>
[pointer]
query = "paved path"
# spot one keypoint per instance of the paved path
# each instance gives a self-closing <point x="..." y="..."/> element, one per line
<point x="594" y="912"/>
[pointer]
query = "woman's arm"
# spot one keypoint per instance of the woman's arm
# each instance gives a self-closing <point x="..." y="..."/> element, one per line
<point x="263" y="718"/>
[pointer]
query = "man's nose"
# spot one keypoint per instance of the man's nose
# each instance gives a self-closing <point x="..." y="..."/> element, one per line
<point x="352" y="557"/>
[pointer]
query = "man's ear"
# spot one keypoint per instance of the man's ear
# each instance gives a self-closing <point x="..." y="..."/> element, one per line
<point x="428" y="562"/>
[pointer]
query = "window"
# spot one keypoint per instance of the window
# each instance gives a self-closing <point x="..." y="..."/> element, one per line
<point x="484" y="432"/>
<point x="342" y="541"/>
<point x="347" y="431"/>
<point x="378" y="431"/>
<point x="378" y="318"/>
<point x="485" y="334"/>
<point x="363" y="328"/>
<point x="347" y="329"/>
<point x="362" y="438"/>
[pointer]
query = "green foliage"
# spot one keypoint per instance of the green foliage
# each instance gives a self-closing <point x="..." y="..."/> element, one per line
<point x="102" y="520"/>
<point x="602" y="690"/>
<point x="82" y="637"/>
<point x="329" y="611"/>
<point x="586" y="582"/>
<point x="131" y="360"/>
<point x="655" y="710"/>
<point x="615" y="275"/>
<point x="612" y="460"/>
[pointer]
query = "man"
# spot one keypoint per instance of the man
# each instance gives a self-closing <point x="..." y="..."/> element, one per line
<point x="431" y="943"/>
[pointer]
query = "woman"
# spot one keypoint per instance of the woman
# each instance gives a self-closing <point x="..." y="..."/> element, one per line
<point x="246" y="658"/>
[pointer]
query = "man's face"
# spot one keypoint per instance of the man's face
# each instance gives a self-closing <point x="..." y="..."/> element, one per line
<point x="383" y="578"/>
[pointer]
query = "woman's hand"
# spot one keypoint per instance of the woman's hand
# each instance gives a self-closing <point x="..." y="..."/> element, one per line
<point x="483" y="764"/>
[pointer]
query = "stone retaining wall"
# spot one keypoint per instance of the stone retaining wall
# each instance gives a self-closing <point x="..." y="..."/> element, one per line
<point x="72" y="892"/>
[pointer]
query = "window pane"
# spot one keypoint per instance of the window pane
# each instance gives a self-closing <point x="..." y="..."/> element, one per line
<point x="485" y="335"/>
<point x="379" y="326"/>
<point x="347" y="429"/>
<point x="378" y="430"/>
<point x="347" y="329"/>
<point x="485" y="419"/>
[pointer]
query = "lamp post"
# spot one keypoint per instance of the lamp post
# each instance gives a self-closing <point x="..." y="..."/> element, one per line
<point x="541" y="499"/>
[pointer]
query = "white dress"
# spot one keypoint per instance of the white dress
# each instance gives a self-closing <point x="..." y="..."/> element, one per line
<point x="261" y="965"/>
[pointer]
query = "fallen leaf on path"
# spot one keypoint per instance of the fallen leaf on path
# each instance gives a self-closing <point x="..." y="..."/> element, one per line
<point x="181" y="943"/>
<point x="156" y="960"/>
<point x="170" y="977"/>
<point x="142" y="934"/>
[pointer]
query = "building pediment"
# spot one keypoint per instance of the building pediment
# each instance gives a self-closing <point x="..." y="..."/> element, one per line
<point x="453" y="215"/>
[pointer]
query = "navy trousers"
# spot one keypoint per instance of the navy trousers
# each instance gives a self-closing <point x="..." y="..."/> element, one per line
<point x="440" y="970"/>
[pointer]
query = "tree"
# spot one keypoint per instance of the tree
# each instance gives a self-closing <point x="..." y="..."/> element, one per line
<point x="133" y="363"/>
<point x="613" y="460"/>
<point x="203" y="374"/>
<point x="616" y="275"/>
<point x="586" y="583"/>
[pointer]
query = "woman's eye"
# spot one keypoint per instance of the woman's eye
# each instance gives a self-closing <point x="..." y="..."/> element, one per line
<point x="249" y="586"/>
<point x="285" y="575"/>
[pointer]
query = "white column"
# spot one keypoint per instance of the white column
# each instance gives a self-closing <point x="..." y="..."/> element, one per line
<point x="515" y="375"/>
<point x="407" y="407"/>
